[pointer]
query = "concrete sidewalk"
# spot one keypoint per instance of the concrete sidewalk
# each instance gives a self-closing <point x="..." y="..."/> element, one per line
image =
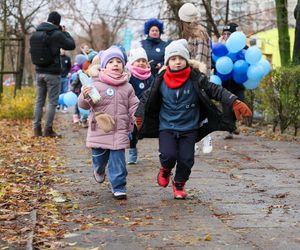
<point x="244" y="195"/>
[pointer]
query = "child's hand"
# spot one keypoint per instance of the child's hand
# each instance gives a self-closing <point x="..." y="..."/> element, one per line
<point x="86" y="90"/>
<point x="241" y="108"/>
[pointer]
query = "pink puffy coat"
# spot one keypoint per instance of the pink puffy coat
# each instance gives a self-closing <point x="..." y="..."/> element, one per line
<point x="117" y="100"/>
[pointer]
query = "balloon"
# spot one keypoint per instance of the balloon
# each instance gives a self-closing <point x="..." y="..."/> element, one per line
<point x="85" y="112"/>
<point x="266" y="66"/>
<point x="251" y="84"/>
<point x="215" y="79"/>
<point x="70" y="99"/>
<point x="224" y="77"/>
<point x="255" y="72"/>
<point x="236" y="42"/>
<point x="74" y="76"/>
<point x="241" y="54"/>
<point x="239" y="78"/>
<point x="253" y="55"/>
<point x="240" y="67"/>
<point x="214" y="57"/>
<point x="61" y="99"/>
<point x="232" y="56"/>
<point x="224" y="65"/>
<point x="219" y="49"/>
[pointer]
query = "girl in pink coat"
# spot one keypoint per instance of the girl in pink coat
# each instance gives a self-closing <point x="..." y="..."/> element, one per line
<point x="119" y="103"/>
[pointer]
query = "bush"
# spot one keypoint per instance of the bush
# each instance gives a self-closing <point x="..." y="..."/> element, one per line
<point x="19" y="107"/>
<point x="278" y="98"/>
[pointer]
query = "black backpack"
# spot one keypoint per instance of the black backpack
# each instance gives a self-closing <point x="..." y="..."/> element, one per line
<point x="40" y="49"/>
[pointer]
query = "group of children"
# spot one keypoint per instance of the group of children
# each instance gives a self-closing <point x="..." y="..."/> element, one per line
<point x="171" y="106"/>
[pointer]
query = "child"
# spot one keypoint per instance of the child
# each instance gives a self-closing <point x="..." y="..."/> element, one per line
<point x="141" y="80"/>
<point x="75" y="86"/>
<point x="175" y="106"/>
<point x="118" y="103"/>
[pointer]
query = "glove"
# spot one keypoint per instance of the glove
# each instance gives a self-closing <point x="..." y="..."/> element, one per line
<point x="241" y="108"/>
<point x="138" y="122"/>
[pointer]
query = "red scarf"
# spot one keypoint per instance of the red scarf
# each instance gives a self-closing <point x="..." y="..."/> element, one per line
<point x="176" y="79"/>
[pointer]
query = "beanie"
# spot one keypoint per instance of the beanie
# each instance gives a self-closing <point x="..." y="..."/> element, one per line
<point x="135" y="54"/>
<point x="112" y="52"/>
<point x="188" y="13"/>
<point x="177" y="48"/>
<point x="231" y="27"/>
<point x="91" y="55"/>
<point x="80" y="59"/>
<point x="153" y="22"/>
<point x="54" y="18"/>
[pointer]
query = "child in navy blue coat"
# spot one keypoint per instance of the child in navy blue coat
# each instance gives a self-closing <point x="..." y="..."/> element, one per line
<point x="141" y="79"/>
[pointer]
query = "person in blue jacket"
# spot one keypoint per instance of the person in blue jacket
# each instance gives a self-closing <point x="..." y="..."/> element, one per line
<point x="153" y="45"/>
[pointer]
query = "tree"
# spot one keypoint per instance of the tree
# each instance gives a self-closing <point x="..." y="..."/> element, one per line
<point x="283" y="31"/>
<point x="296" y="51"/>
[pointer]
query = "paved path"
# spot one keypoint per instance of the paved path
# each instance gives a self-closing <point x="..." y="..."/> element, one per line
<point x="244" y="195"/>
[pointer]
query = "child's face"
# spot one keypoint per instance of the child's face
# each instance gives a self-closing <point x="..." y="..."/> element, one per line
<point x="141" y="63"/>
<point x="115" y="64"/>
<point x="177" y="63"/>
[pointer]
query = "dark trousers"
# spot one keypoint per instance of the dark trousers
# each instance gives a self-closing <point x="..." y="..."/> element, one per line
<point x="134" y="138"/>
<point x="177" y="148"/>
<point x="227" y="110"/>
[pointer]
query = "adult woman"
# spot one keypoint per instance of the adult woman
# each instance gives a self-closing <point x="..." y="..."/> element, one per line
<point x="153" y="45"/>
<point x="198" y="46"/>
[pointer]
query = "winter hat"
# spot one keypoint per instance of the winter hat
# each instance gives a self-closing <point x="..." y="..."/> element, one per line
<point x="188" y="13"/>
<point x="91" y="55"/>
<point x="135" y="54"/>
<point x="80" y="59"/>
<point x="110" y="53"/>
<point x="231" y="27"/>
<point x="153" y="22"/>
<point x="177" y="48"/>
<point x="54" y="18"/>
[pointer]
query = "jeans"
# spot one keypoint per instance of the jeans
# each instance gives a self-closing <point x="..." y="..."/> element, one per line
<point x="117" y="171"/>
<point x="64" y="85"/>
<point x="177" y="148"/>
<point x="47" y="84"/>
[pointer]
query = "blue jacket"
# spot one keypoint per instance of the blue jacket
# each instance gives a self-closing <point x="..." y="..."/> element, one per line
<point x="140" y="86"/>
<point x="155" y="49"/>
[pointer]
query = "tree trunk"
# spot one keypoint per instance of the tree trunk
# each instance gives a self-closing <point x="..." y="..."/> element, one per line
<point x="283" y="32"/>
<point x="21" y="64"/>
<point x="296" y="53"/>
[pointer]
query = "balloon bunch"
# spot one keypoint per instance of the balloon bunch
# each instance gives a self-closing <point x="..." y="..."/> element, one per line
<point x="244" y="66"/>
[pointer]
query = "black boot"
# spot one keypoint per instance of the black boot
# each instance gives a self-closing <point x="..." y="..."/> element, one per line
<point x="49" y="132"/>
<point x="37" y="132"/>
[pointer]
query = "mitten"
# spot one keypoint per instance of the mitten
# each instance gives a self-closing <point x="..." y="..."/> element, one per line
<point x="241" y="108"/>
<point x="138" y="122"/>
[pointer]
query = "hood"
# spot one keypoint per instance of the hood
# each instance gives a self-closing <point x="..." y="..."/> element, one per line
<point x="47" y="27"/>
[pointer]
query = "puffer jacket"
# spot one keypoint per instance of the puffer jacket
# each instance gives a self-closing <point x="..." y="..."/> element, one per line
<point x="58" y="39"/>
<point x="121" y="103"/>
<point x="151" y="101"/>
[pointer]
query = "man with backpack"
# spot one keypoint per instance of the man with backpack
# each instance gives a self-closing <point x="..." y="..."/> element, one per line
<point x="45" y="45"/>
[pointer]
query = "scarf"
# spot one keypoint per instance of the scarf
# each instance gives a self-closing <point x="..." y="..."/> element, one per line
<point x="175" y="79"/>
<point x="154" y="40"/>
<point x="138" y="72"/>
<point x="113" y="78"/>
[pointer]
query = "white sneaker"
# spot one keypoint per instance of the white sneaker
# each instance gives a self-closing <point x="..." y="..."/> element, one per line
<point x="196" y="150"/>
<point x="207" y="145"/>
<point x="120" y="195"/>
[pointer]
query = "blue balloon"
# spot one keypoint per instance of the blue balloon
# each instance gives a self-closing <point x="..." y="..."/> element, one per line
<point x="253" y="55"/>
<point x="232" y="56"/>
<point x="84" y="112"/>
<point x="251" y="84"/>
<point x="70" y="99"/>
<point x="214" y="57"/>
<point x="241" y="54"/>
<point x="219" y="49"/>
<point x="61" y="99"/>
<point x="239" y="78"/>
<point x="215" y="79"/>
<point x="224" y="77"/>
<point x="240" y="67"/>
<point x="236" y="42"/>
<point x="224" y="65"/>
<point x="266" y="66"/>
<point x="255" y="72"/>
<point x="74" y="76"/>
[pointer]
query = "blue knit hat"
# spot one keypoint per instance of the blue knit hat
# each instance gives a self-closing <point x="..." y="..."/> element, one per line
<point x="110" y="53"/>
<point x="80" y="59"/>
<point x="153" y="22"/>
